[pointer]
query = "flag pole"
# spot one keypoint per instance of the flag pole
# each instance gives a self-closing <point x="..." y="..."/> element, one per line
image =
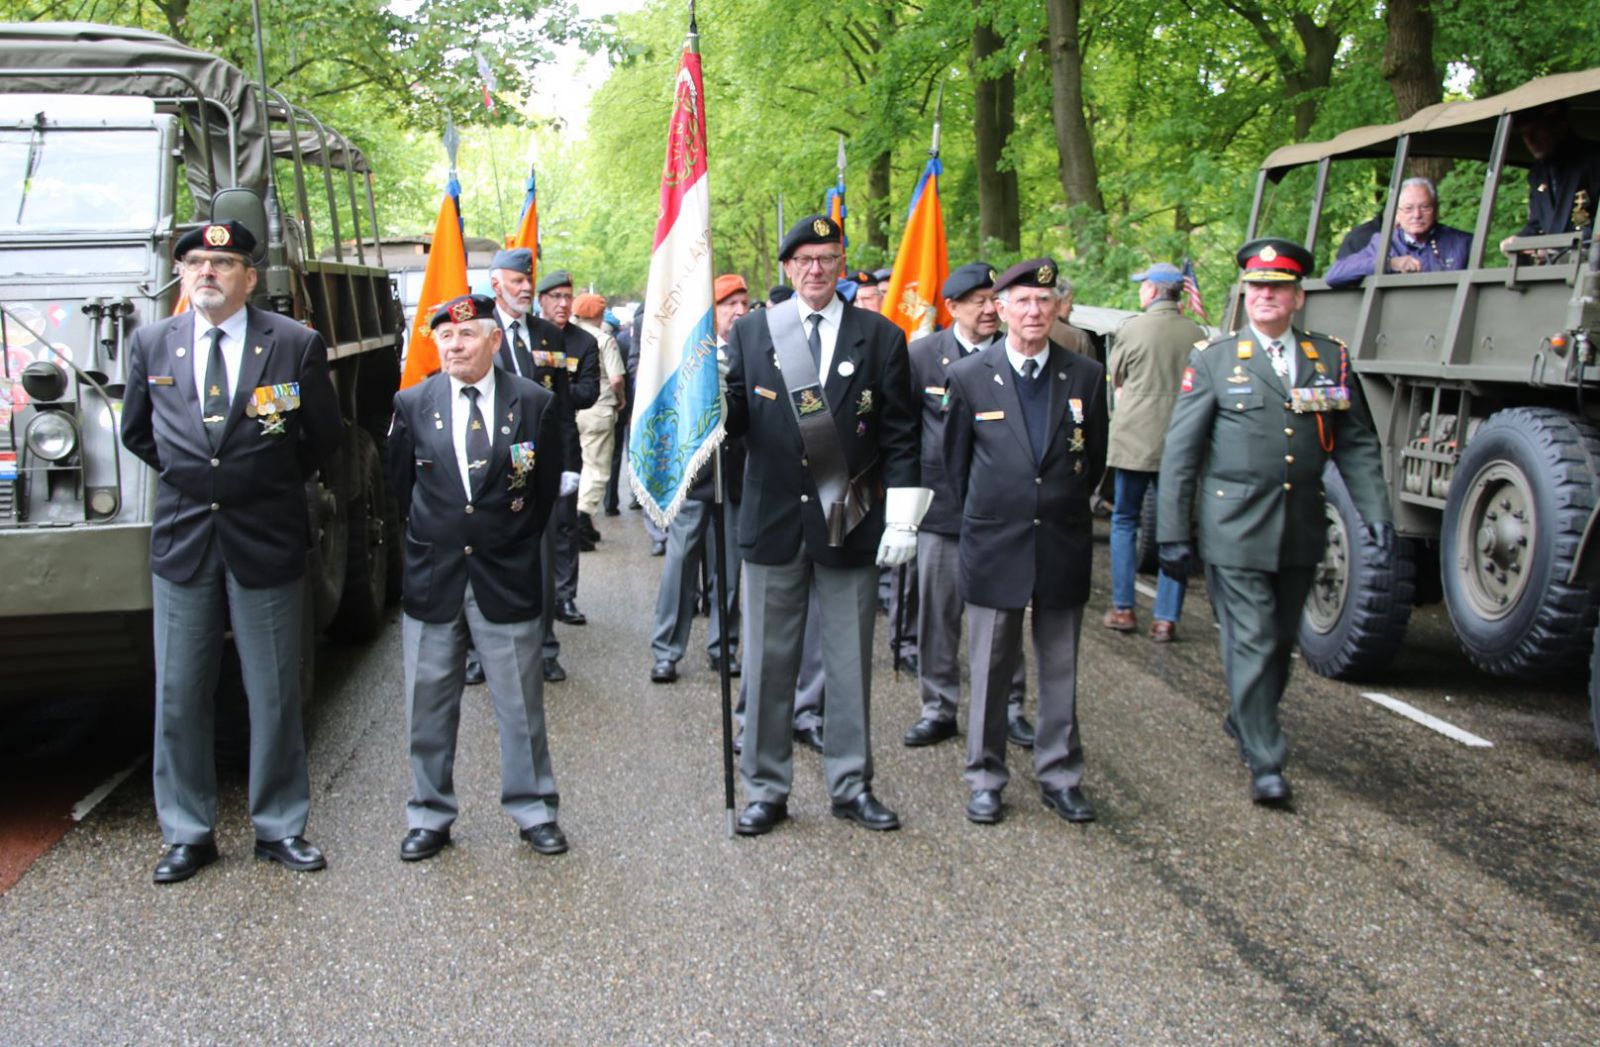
<point x="783" y="277"/>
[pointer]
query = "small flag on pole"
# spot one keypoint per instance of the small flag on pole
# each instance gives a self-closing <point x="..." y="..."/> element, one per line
<point x="913" y="299"/>
<point x="677" y="406"/>
<point x="445" y="278"/>
<point x="833" y="199"/>
<point x="486" y="74"/>
<point x="1191" y="292"/>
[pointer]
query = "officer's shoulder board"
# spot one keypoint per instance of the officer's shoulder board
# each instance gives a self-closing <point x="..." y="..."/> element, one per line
<point x="1227" y="338"/>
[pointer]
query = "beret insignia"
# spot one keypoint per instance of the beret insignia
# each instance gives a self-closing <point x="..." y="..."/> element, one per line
<point x="218" y="236"/>
<point x="463" y="311"/>
<point x="821" y="227"/>
<point x="991" y="276"/>
<point x="1047" y="274"/>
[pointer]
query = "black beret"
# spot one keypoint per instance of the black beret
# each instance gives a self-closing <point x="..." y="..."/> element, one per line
<point x="813" y="229"/>
<point x="966" y="279"/>
<point x="863" y="278"/>
<point x="780" y="293"/>
<point x="559" y="278"/>
<point x="1273" y="260"/>
<point x="466" y="307"/>
<point x="1035" y="272"/>
<point x="226" y="236"/>
<point x="517" y="259"/>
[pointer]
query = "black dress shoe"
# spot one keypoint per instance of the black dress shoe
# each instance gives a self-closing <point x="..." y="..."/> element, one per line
<point x="907" y="663"/>
<point x="1019" y="732"/>
<point x="738" y="744"/>
<point x="1270" y="789"/>
<point x="984" y="807"/>
<point x="612" y="510"/>
<point x="658" y="548"/>
<point x="553" y="673"/>
<point x="1071" y="804"/>
<point x="292" y="852"/>
<point x="929" y="732"/>
<point x="585" y="544"/>
<point x="759" y="817"/>
<point x="867" y="811"/>
<point x="183" y="860"/>
<point x="567" y="611"/>
<point x="734" y="668"/>
<point x="664" y="671"/>
<point x="546" y="839"/>
<point x="421" y="844"/>
<point x="474" y="674"/>
<point x="587" y="529"/>
<point x="810" y="737"/>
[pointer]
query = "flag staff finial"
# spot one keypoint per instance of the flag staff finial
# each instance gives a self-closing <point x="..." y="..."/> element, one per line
<point x="693" y="29"/>
<point x="938" y="107"/>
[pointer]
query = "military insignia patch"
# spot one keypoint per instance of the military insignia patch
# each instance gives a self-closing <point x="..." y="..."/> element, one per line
<point x="1188" y="379"/>
<point x="1077" y="440"/>
<point x="463" y="311"/>
<point x="809" y="401"/>
<point x="1047" y="275"/>
<point x="517" y="504"/>
<point x="864" y="405"/>
<point x="1245" y="349"/>
<point x="1075" y="405"/>
<point x="821" y="227"/>
<point x="218" y="235"/>
<point x="1268" y="253"/>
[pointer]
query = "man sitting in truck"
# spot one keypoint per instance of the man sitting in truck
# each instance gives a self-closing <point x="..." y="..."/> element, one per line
<point x="1419" y="244"/>
<point x="1563" y="182"/>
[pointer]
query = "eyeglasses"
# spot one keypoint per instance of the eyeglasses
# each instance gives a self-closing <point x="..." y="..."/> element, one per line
<point x="218" y="265"/>
<point x="824" y="261"/>
<point x="1418" y="209"/>
<point x="559" y="296"/>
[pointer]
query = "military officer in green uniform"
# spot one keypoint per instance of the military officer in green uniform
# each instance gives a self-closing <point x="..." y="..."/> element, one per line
<point x="1259" y="412"/>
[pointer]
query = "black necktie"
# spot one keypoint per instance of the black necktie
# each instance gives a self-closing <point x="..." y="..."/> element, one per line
<point x="477" y="437"/>
<point x="815" y="341"/>
<point x="519" y="350"/>
<point x="214" y="403"/>
<point x="1030" y="369"/>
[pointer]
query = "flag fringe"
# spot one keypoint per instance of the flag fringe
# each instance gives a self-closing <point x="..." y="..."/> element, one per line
<point x="702" y="455"/>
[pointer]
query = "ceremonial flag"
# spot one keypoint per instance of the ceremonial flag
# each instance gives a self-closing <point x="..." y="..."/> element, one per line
<point x="913" y="299"/>
<point x="833" y="199"/>
<point x="486" y="74"/>
<point x="677" y="405"/>
<point x="444" y="279"/>
<point x="527" y="234"/>
<point x="1191" y="291"/>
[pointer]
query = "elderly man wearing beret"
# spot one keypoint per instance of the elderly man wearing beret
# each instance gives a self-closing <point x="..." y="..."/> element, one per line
<point x="1024" y="446"/>
<point x="822" y="395"/>
<point x="969" y="295"/>
<point x="474" y="456"/>
<point x="234" y="408"/>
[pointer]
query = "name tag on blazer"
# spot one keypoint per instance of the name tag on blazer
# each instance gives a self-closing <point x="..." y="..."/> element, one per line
<point x="763" y="391"/>
<point x="991" y="416"/>
<point x="159" y="379"/>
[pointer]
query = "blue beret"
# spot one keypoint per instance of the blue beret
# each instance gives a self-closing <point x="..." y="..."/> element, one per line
<point x="517" y="259"/>
<point x="1160" y="273"/>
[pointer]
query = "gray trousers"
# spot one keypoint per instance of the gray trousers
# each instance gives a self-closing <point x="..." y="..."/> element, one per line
<point x="680" y="580"/>
<point x="1259" y="612"/>
<point x="939" y="632"/>
<point x="656" y="534"/>
<point x="266" y="623"/>
<point x="564" y="522"/>
<point x="995" y="645"/>
<point x="775" y="601"/>
<point x="809" y="692"/>
<point x="433" y="679"/>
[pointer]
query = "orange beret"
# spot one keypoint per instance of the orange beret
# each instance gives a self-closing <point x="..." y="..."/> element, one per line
<point x="727" y="284"/>
<point x="588" y="306"/>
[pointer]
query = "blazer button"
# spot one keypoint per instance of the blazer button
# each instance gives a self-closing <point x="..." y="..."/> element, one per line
<point x="1287" y="487"/>
<point x="215" y="462"/>
<point x="805" y="498"/>
<point x="1038" y="480"/>
<point x="806" y="462"/>
<point x="1289" y="458"/>
<point x="1288" y="432"/>
<point x="470" y="509"/>
<point x="1036" y="521"/>
<point x="468" y="550"/>
<point x="215" y="506"/>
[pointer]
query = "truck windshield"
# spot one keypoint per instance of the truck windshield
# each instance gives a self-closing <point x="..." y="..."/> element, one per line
<point x="66" y="179"/>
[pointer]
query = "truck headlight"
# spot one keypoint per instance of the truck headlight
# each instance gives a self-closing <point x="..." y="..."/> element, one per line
<point x="44" y="380"/>
<point x="52" y="436"/>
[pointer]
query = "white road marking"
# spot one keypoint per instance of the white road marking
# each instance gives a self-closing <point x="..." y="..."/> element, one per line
<point x="1146" y="588"/>
<point x="81" y="809"/>
<point x="1411" y="712"/>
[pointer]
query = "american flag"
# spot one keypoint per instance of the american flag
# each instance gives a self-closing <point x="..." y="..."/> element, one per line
<point x="1191" y="292"/>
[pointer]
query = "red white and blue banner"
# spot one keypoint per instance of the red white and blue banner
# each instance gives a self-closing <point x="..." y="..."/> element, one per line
<point x="677" y="406"/>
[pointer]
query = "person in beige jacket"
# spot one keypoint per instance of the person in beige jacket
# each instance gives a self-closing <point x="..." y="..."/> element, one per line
<point x="1146" y="373"/>
<point x="597" y="425"/>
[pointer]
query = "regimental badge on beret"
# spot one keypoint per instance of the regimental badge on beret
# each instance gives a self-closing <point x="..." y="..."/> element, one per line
<point x="462" y="311"/>
<point x="991" y="276"/>
<point x="218" y="235"/>
<point x="1047" y="275"/>
<point x="820" y="226"/>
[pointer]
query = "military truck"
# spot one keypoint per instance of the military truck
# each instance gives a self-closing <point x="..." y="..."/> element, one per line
<point x="114" y="142"/>
<point x="1483" y="385"/>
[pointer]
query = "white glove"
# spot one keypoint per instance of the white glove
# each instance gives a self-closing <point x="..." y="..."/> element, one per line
<point x="898" y="545"/>
<point x="569" y="483"/>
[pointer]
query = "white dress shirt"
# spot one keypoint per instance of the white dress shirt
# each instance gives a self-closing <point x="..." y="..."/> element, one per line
<point x="459" y="408"/>
<point x="232" y="353"/>
<point x="1017" y="359"/>
<point x="832" y="315"/>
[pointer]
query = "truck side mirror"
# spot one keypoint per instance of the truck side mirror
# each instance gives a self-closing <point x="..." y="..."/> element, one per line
<point x="242" y="205"/>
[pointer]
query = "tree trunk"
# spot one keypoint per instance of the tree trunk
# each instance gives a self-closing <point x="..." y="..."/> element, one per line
<point x="1408" y="65"/>
<point x="1321" y="45"/>
<point x="998" y="205"/>
<point x="878" y="202"/>
<point x="1074" y="147"/>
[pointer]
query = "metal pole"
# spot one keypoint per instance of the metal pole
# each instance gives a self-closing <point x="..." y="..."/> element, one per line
<point x="720" y="592"/>
<point x="783" y="278"/>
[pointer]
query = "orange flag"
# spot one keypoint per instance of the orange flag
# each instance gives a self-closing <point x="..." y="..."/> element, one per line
<point x="444" y="279"/>
<point x="527" y="234"/>
<point x="914" y="300"/>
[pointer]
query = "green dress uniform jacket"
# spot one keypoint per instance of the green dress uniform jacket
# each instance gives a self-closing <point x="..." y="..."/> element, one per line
<point x="1243" y="464"/>
<point x="1146" y="369"/>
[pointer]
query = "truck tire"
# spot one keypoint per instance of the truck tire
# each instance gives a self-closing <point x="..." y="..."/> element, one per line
<point x="1594" y="689"/>
<point x="366" y="571"/>
<point x="1356" y="614"/>
<point x="1147" y="554"/>
<point x="1518" y="502"/>
<point x="328" y="500"/>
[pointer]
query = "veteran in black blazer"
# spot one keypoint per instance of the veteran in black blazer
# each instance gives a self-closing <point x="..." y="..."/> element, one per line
<point x="1024" y="445"/>
<point x="234" y="409"/>
<point x="865" y="392"/>
<point x="475" y="459"/>
<point x="582" y="358"/>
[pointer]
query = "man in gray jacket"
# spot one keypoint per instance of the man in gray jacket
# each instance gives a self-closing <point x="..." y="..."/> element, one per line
<point x="1146" y="372"/>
